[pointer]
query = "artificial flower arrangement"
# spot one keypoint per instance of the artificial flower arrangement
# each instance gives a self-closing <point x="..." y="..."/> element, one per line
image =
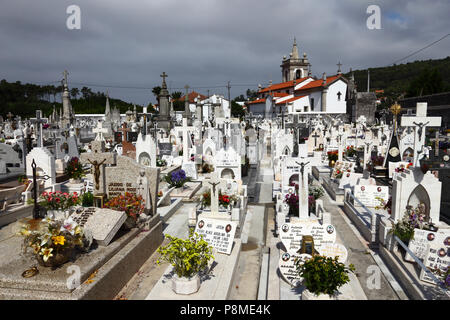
<point x="133" y="205"/>
<point x="292" y="200"/>
<point x="58" y="200"/>
<point x="54" y="241"/>
<point x="314" y="193"/>
<point x="386" y="205"/>
<point x="176" y="179"/>
<point x="224" y="199"/>
<point x="350" y="152"/>
<point x="332" y="155"/>
<point x="412" y="219"/>
<point x="74" y="169"/>
<point x="24" y="180"/>
<point x="161" y="163"/>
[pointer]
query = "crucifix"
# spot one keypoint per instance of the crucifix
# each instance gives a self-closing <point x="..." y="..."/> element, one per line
<point x="145" y="114"/>
<point x="367" y="150"/>
<point x="215" y="184"/>
<point x="420" y="122"/>
<point x="98" y="158"/>
<point x="303" y="191"/>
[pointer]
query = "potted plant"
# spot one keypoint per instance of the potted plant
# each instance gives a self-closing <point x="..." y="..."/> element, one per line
<point x="189" y="258"/>
<point x="58" y="204"/>
<point x="74" y="170"/>
<point x="87" y="199"/>
<point x="322" y="277"/>
<point x="132" y="205"/>
<point x="54" y="242"/>
<point x="176" y="179"/>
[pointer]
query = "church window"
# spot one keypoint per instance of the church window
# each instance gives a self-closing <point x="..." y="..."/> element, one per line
<point x="339" y="96"/>
<point x="298" y="74"/>
<point x="312" y="103"/>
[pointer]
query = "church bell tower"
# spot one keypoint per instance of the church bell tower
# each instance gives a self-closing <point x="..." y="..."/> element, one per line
<point x="294" y="67"/>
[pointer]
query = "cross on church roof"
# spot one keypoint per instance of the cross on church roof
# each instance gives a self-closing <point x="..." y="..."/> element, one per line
<point x="339" y="67"/>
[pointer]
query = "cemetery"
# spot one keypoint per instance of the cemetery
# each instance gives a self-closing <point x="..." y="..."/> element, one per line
<point x="308" y="194"/>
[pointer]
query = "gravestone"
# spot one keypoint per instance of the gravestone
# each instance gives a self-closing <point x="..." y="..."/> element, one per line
<point x="422" y="239"/>
<point x="288" y="269"/>
<point x="291" y="234"/>
<point x="124" y="176"/>
<point x="218" y="233"/>
<point x="367" y="194"/>
<point x="437" y="256"/>
<point x="102" y="223"/>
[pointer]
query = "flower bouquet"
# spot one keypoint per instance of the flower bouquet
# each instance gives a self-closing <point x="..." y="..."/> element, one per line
<point x="54" y="242"/>
<point x="293" y="201"/>
<point x="132" y="205"/>
<point x="350" y="152"/>
<point x="412" y="219"/>
<point x="176" y="179"/>
<point x="74" y="169"/>
<point x="58" y="203"/>
<point x="332" y="157"/>
<point x="224" y="200"/>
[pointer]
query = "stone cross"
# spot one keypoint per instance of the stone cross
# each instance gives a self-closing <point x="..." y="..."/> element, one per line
<point x="39" y="121"/>
<point x="420" y="122"/>
<point x="185" y="141"/>
<point x="98" y="158"/>
<point x="436" y="144"/>
<point x="99" y="130"/>
<point x="367" y="150"/>
<point x="340" y="147"/>
<point x="215" y="184"/>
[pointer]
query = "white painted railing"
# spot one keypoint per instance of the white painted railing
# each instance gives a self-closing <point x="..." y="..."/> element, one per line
<point x="373" y="217"/>
<point x="437" y="281"/>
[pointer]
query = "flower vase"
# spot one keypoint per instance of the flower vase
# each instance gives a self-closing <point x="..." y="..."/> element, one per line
<point x="183" y="285"/>
<point x="129" y="223"/>
<point x="58" y="214"/>
<point x="308" y="295"/>
<point x="58" y="259"/>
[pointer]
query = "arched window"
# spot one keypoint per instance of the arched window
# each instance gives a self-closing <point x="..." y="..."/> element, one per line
<point x="298" y="74"/>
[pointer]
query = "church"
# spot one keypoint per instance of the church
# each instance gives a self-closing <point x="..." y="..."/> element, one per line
<point x="300" y="92"/>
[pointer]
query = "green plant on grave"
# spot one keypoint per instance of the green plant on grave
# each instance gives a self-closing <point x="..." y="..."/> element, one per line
<point x="323" y="275"/>
<point x="187" y="256"/>
<point x="87" y="199"/>
<point x="74" y="169"/>
<point x="316" y="191"/>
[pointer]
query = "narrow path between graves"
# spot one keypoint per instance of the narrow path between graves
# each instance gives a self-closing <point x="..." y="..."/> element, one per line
<point x="359" y="255"/>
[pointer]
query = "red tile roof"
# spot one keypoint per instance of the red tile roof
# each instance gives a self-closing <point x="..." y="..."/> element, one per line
<point x="317" y="83"/>
<point x="256" y="101"/>
<point x="290" y="99"/>
<point x="192" y="96"/>
<point x="283" y="85"/>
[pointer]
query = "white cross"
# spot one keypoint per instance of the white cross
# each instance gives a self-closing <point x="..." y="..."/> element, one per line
<point x="420" y="122"/>
<point x="99" y="130"/>
<point x="215" y="184"/>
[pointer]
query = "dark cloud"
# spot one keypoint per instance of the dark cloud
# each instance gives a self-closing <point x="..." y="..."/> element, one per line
<point x="207" y="42"/>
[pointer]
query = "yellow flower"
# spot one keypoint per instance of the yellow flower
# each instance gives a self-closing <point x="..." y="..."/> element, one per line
<point x="59" y="240"/>
<point x="25" y="232"/>
<point x="47" y="253"/>
<point x="36" y="248"/>
<point x="78" y="230"/>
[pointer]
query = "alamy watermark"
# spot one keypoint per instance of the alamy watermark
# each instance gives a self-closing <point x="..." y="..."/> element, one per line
<point x="73" y="21"/>
<point x="374" y="20"/>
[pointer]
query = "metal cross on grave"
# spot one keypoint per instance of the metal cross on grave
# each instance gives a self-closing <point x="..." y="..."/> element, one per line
<point x="98" y="158"/>
<point x="420" y="122"/>
<point x="315" y="136"/>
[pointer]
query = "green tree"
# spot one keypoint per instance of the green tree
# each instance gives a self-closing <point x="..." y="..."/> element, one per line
<point x="74" y="92"/>
<point x="156" y="91"/>
<point x="176" y="95"/>
<point x="237" y="110"/>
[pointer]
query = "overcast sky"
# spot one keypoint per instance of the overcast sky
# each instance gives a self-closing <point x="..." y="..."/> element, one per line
<point x="205" y="43"/>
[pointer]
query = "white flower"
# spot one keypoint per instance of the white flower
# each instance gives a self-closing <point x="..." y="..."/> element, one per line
<point x="69" y="225"/>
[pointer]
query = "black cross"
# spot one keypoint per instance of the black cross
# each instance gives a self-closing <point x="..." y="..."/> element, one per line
<point x="315" y="136"/>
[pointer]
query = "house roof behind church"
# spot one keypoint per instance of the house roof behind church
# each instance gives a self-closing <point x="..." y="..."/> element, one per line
<point x="283" y="85"/>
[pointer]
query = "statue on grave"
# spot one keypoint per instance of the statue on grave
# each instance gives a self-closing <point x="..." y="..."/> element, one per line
<point x="97" y="165"/>
<point x="142" y="190"/>
<point x="421" y="125"/>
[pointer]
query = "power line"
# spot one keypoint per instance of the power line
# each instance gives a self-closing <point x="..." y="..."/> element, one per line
<point x="431" y="44"/>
